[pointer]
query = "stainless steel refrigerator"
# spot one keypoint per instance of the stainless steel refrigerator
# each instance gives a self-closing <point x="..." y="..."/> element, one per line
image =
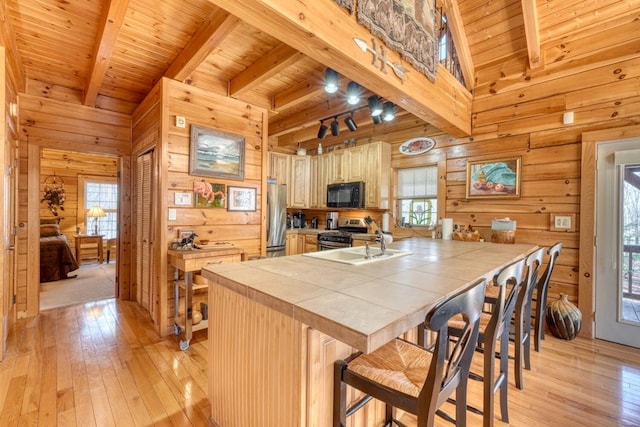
<point x="276" y="219"/>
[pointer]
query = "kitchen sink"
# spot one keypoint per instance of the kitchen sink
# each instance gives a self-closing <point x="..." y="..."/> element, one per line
<point x="357" y="255"/>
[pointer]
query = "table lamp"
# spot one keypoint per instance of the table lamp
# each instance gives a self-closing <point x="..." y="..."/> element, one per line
<point x="96" y="212"/>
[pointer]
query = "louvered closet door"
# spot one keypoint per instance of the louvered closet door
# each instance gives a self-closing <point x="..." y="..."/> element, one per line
<point x="144" y="259"/>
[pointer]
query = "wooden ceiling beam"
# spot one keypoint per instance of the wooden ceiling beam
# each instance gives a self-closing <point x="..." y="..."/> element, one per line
<point x="460" y="41"/>
<point x="325" y="32"/>
<point x="110" y="23"/>
<point x="532" y="32"/>
<point x="297" y="94"/>
<point x="215" y="28"/>
<point x="278" y="59"/>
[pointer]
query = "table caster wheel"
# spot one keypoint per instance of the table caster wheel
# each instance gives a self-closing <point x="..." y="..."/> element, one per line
<point x="184" y="345"/>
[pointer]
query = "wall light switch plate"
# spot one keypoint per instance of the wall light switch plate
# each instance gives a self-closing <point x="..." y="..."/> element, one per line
<point x="564" y="222"/>
<point x="173" y="215"/>
<point x="181" y="122"/>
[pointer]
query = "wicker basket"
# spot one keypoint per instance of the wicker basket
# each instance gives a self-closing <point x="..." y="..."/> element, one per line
<point x="503" y="236"/>
<point x="466" y="236"/>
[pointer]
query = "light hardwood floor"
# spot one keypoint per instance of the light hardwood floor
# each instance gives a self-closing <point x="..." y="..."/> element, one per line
<point x="101" y="364"/>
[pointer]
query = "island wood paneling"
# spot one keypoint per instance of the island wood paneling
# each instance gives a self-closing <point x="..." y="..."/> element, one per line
<point x="55" y="125"/>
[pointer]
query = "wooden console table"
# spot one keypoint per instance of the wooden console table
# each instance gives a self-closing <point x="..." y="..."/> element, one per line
<point x="89" y="238"/>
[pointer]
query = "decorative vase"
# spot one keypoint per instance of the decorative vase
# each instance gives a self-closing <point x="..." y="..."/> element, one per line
<point x="196" y="317"/>
<point x="564" y="318"/>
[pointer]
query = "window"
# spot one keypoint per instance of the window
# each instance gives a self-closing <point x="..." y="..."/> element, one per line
<point x="418" y="196"/>
<point x="103" y="193"/>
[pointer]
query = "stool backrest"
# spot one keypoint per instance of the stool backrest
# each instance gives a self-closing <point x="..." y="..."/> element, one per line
<point x="446" y="373"/>
<point x="512" y="275"/>
<point x="533" y="262"/>
<point x="543" y="283"/>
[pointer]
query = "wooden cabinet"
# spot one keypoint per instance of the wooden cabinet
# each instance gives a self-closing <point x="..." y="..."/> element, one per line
<point x="295" y="172"/>
<point x="299" y="182"/>
<point x="294" y="244"/>
<point x="278" y="167"/>
<point x="339" y="164"/>
<point x="314" y="193"/>
<point x="324" y="165"/>
<point x="310" y="243"/>
<point x="188" y="262"/>
<point x="357" y="159"/>
<point x="377" y="175"/>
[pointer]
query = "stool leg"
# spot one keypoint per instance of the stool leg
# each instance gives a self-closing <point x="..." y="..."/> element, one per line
<point x="339" y="396"/>
<point x="504" y="374"/>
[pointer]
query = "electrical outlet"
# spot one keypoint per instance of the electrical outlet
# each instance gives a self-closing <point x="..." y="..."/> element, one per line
<point x="173" y="215"/>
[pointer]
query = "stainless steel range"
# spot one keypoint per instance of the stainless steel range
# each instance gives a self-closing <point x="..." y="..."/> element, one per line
<point x="341" y="238"/>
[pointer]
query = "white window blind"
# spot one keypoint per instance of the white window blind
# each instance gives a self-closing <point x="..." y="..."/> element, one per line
<point x="418" y="182"/>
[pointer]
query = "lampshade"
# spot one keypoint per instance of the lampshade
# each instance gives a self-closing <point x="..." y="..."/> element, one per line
<point x="322" y="131"/>
<point x="335" y="127"/>
<point x="389" y="111"/>
<point x="330" y="81"/>
<point x="351" y="124"/>
<point x="353" y="93"/>
<point x="96" y="212"/>
<point x="375" y="106"/>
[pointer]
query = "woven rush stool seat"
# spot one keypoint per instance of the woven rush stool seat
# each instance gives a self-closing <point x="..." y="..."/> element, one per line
<point x="410" y="377"/>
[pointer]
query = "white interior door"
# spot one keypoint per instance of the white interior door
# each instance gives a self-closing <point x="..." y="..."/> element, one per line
<point x="617" y="272"/>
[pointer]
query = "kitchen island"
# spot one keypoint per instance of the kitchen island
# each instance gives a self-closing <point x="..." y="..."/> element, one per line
<point x="276" y="325"/>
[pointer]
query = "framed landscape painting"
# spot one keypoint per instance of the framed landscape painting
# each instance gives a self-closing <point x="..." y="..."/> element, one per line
<point x="216" y="153"/>
<point x="493" y="178"/>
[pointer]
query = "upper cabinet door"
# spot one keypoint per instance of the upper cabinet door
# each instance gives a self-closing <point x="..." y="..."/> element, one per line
<point x="299" y="181"/>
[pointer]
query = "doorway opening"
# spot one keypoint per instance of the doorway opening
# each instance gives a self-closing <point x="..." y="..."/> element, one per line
<point x="86" y="217"/>
<point x="617" y="249"/>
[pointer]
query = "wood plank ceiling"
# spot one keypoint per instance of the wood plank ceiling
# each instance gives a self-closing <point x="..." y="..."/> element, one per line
<point x="110" y="53"/>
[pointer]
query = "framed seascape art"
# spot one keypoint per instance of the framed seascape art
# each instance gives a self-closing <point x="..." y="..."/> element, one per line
<point x="493" y="178"/>
<point x="215" y="153"/>
<point x="241" y="199"/>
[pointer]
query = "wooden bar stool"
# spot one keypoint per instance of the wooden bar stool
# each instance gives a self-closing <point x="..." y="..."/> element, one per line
<point x="494" y="327"/>
<point x="410" y="377"/>
<point x="541" y="295"/>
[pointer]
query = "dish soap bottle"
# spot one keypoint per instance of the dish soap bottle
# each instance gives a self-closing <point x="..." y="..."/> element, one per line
<point x="319" y="148"/>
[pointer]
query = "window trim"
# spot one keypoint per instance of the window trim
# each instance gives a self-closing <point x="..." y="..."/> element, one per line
<point x="81" y="218"/>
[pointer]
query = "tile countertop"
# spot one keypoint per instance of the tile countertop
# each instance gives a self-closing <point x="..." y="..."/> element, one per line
<point x="368" y="305"/>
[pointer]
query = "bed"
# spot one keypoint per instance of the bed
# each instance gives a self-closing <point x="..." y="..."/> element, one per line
<point x="56" y="257"/>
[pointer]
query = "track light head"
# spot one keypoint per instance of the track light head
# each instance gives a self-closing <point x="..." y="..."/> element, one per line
<point x="389" y="112"/>
<point x="322" y="132"/>
<point x="351" y="124"/>
<point x="353" y="93"/>
<point x="335" y="127"/>
<point x="330" y="81"/>
<point x="376" y="119"/>
<point x="375" y="106"/>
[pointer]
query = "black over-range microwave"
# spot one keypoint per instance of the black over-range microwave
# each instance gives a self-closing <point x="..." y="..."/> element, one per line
<point x="346" y="195"/>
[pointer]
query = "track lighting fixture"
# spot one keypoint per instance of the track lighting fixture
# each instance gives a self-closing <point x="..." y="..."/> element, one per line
<point x="375" y="106"/>
<point x="322" y="132"/>
<point x="389" y="112"/>
<point x="351" y="124"/>
<point x="353" y="93"/>
<point x="330" y="81"/>
<point x="335" y="127"/>
<point x="376" y="119"/>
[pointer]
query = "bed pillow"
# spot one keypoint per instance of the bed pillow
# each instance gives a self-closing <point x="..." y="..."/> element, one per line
<point x="48" y="230"/>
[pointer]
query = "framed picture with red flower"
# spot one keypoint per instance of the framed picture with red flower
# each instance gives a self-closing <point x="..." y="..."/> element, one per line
<point x="494" y="178"/>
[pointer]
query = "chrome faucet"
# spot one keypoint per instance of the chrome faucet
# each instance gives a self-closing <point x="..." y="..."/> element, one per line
<point x="367" y="250"/>
<point x="383" y="244"/>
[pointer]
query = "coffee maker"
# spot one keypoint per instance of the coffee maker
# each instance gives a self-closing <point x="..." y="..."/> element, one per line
<point x="298" y="220"/>
<point x="332" y="220"/>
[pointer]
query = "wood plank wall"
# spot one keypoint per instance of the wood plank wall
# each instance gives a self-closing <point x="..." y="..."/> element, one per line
<point x="48" y="123"/>
<point x="244" y="229"/>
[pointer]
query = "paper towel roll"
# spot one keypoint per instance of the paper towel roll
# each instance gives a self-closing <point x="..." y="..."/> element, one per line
<point x="385" y="222"/>
<point x="447" y="228"/>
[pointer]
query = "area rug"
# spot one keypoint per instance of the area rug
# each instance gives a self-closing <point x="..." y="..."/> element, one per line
<point x="94" y="282"/>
